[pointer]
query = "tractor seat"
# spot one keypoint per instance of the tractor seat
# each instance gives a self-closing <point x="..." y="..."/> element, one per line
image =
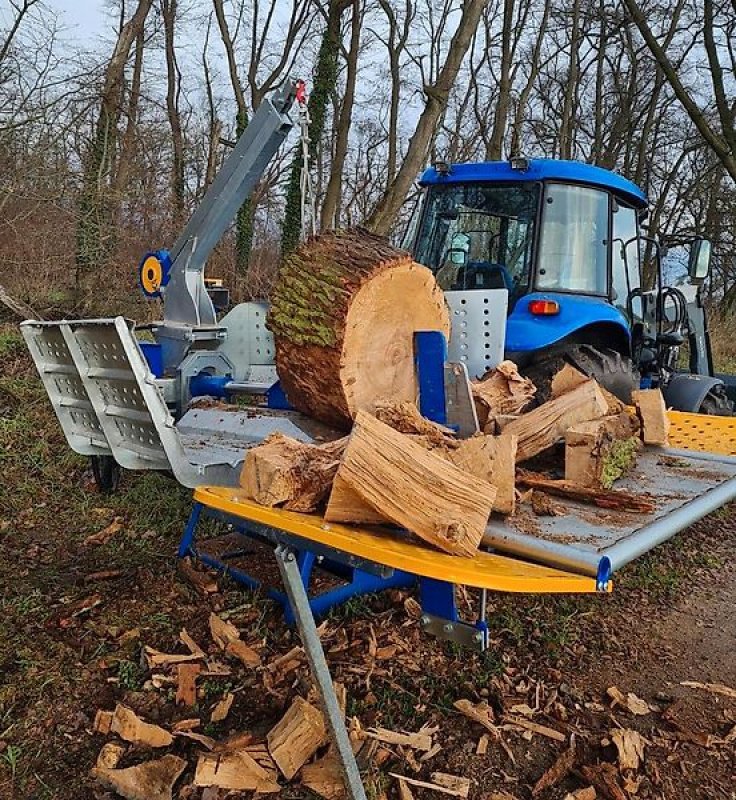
<point x="482" y="275"/>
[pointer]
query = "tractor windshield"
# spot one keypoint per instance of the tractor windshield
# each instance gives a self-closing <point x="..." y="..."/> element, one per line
<point x="573" y="244"/>
<point x="479" y="236"/>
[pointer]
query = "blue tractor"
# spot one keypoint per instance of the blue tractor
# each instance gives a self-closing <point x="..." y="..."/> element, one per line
<point x="565" y="240"/>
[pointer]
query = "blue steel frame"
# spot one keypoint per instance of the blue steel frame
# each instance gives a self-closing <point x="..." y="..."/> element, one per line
<point x="437" y="597"/>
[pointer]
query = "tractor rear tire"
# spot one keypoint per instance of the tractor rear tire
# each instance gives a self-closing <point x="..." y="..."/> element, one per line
<point x="612" y="370"/>
<point x="716" y="403"/>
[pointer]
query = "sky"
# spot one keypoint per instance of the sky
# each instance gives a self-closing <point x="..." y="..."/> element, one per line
<point x="82" y="19"/>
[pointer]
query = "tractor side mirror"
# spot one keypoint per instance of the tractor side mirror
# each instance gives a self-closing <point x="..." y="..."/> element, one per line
<point x="459" y="247"/>
<point x="699" y="262"/>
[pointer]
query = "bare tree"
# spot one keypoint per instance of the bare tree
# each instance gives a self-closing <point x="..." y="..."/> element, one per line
<point x="173" y="92"/>
<point x="94" y="211"/>
<point x="437" y="95"/>
<point x="723" y="141"/>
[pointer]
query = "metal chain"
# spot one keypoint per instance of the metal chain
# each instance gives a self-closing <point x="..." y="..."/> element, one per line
<point x="308" y="212"/>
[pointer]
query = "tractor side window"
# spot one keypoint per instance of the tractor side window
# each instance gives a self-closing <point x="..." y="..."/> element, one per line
<point x="625" y="256"/>
<point x="573" y="247"/>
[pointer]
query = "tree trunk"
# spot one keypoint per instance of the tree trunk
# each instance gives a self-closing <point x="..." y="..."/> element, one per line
<point x="325" y="81"/>
<point x="95" y="213"/>
<point x="344" y="327"/>
<point x="168" y="11"/>
<point x="437" y="95"/>
<point x="495" y="147"/>
<point x="244" y="219"/>
<point x="330" y="209"/>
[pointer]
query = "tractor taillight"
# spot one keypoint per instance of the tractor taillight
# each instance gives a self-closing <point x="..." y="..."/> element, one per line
<point x="544" y="308"/>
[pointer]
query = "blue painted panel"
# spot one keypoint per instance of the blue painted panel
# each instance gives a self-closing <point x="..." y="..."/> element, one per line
<point x="540" y="169"/>
<point x="526" y="332"/>
<point x="430" y="354"/>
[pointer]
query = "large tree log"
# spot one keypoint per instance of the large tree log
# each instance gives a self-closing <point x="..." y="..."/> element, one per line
<point x="343" y="315"/>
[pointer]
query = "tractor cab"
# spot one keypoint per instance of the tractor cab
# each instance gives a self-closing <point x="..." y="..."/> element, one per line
<point x="563" y="239"/>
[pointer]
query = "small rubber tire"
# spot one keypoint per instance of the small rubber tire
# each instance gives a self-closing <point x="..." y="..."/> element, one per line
<point x="106" y="472"/>
<point x="612" y="370"/>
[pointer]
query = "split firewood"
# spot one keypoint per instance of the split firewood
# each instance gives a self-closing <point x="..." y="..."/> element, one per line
<point x="235" y="770"/>
<point x="153" y="780"/>
<point x="399" y="478"/>
<point x="588" y="793"/>
<point x="569" y="378"/>
<point x="222" y="631"/>
<point x="406" y="418"/>
<point x="155" y="658"/>
<point x="599" y="452"/>
<point x="186" y="692"/>
<point x="285" y="472"/>
<point x="110" y="755"/>
<point x="535" y="727"/>
<point x="482" y="747"/>
<point x="630" y="746"/>
<point x="630" y="701"/>
<point x="417" y="741"/>
<point x="199" y="738"/>
<point x="481" y="713"/>
<point x="557" y="772"/>
<point x="403" y="790"/>
<point x="187" y="640"/>
<point x="130" y="727"/>
<point x="245" y="654"/>
<point x="324" y="777"/>
<point x="603" y="498"/>
<point x="346" y="505"/>
<point x="186" y="724"/>
<point x="604" y="778"/>
<point x="493" y="460"/>
<point x="713" y="688"/>
<point x="343" y="313"/>
<point x="546" y="425"/>
<point x="502" y="390"/>
<point x="296" y="737"/>
<point x="202" y="581"/>
<point x="227" y="637"/>
<point x="103" y="721"/>
<point x="652" y="411"/>
<point x="222" y="708"/>
<point x="453" y="785"/>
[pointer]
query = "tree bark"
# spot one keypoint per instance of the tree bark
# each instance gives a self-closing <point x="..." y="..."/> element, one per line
<point x="437" y="94"/>
<point x="173" y="88"/>
<point x="330" y="210"/>
<point x="500" y="115"/>
<point x="343" y="327"/>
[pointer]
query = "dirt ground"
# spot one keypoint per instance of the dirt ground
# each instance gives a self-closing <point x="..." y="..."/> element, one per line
<point x="77" y="612"/>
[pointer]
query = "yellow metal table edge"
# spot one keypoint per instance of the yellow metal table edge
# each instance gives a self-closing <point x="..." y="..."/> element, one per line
<point x="483" y="570"/>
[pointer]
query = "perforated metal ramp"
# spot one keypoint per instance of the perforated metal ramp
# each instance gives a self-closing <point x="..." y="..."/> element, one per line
<point x="108" y="402"/>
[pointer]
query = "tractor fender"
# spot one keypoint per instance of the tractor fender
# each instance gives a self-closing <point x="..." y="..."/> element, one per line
<point x="687" y="392"/>
<point x="526" y="332"/>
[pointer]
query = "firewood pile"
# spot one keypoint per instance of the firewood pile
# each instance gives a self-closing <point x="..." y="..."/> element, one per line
<point x="396" y="467"/>
<point x="343" y="314"/>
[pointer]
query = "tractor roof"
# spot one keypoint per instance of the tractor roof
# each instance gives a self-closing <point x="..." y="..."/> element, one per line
<point x="539" y="169"/>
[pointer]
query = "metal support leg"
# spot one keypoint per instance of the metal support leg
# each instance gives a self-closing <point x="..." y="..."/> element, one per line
<point x="187" y="540"/>
<point x="289" y="569"/>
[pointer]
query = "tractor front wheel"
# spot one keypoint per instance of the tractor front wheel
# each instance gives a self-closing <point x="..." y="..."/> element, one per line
<point x="612" y="370"/>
